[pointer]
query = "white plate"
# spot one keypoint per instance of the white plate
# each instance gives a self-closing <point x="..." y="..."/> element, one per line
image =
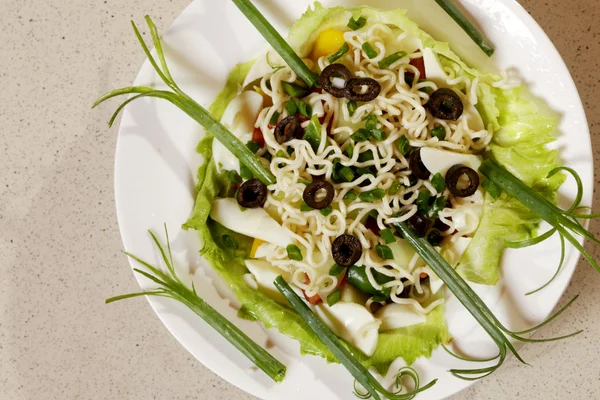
<point x="156" y="164"/>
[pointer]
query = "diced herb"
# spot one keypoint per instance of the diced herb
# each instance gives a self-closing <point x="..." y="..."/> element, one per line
<point x="334" y="297"/>
<point x="371" y="121"/>
<point x="439" y="132"/>
<point x="336" y="270"/>
<point x="253" y="146"/>
<point x="355" y="24"/>
<point x="423" y="201"/>
<point x="245" y="173"/>
<point x="339" y="54"/>
<point x="438" y="205"/>
<point x="291" y="107"/>
<point x="234" y="177"/>
<point x="352" y="106"/>
<point x="378" y="134"/>
<point x="491" y="188"/>
<point x="366" y="156"/>
<point x="290" y="150"/>
<point x="392" y="58"/>
<point x="281" y="154"/>
<point x="379" y="297"/>
<point x="384" y="252"/>
<point x="360" y="135"/>
<point x="387" y="235"/>
<point x="294" y="252"/>
<point x="326" y="211"/>
<point x="305" y="207"/>
<point x="369" y="50"/>
<point x="294" y="90"/>
<point x="349" y="150"/>
<point x="403" y="145"/>
<point x="346" y="173"/>
<point x="274" y="118"/>
<point x="372" y="195"/>
<point x="229" y="242"/>
<point x="395" y="188"/>
<point x="364" y="171"/>
<point x="304" y="108"/>
<point x="312" y="133"/>
<point x="350" y="196"/>
<point x="438" y="182"/>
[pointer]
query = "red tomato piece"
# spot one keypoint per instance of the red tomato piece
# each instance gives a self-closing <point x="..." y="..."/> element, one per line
<point x="371" y="225"/>
<point x="420" y="65"/>
<point x="257" y="136"/>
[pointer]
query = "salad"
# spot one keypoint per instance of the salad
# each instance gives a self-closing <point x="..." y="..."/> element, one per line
<point x="351" y="174"/>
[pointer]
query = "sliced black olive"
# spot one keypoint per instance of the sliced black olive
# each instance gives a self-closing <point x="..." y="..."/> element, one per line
<point x="346" y="250"/>
<point x="331" y="71"/>
<point x="435" y="237"/>
<point x="419" y="223"/>
<point x="416" y="165"/>
<point x="441" y="226"/>
<point x="252" y="194"/>
<point x="455" y="183"/>
<point x="353" y="85"/>
<point x="445" y="104"/>
<point x="287" y="129"/>
<point x="313" y="194"/>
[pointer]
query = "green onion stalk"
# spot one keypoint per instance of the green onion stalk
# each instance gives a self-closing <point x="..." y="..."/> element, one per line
<point x="177" y="97"/>
<point x="172" y="287"/>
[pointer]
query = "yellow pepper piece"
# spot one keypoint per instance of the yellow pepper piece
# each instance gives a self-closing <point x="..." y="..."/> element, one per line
<point x="255" y="245"/>
<point x="328" y="42"/>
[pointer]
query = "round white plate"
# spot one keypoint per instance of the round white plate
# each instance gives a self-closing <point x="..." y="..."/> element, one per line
<point x="156" y="165"/>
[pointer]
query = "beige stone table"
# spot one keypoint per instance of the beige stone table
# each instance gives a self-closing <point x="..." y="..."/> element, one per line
<point x="60" y="250"/>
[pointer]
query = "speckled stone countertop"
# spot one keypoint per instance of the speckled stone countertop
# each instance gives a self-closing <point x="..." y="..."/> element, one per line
<point x="60" y="250"/>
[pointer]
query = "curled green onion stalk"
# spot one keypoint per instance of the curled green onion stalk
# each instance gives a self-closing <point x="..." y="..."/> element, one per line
<point x="177" y="97"/>
<point x="478" y="309"/>
<point x="362" y="376"/>
<point x="170" y="286"/>
<point x="563" y="222"/>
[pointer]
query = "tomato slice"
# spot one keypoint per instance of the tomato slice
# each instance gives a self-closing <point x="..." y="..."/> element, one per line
<point x="257" y="136"/>
<point x="419" y="63"/>
<point x="315" y="299"/>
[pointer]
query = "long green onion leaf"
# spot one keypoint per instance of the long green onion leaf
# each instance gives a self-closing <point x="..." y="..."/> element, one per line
<point x="187" y="105"/>
<point x="277" y="42"/>
<point x="467" y="26"/>
<point x="172" y="287"/>
<point x="358" y="371"/>
<point x="531" y="242"/>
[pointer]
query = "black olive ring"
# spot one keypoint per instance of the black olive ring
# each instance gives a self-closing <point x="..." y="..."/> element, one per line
<point x="419" y="223"/>
<point x="346" y="250"/>
<point x="311" y="191"/>
<point x="286" y="129"/>
<point x="252" y="194"/>
<point x="445" y="104"/>
<point x="416" y="165"/>
<point x="453" y="176"/>
<point x="329" y="72"/>
<point x="373" y="89"/>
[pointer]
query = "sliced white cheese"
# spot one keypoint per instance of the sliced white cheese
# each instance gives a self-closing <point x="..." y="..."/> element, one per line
<point x="265" y="273"/>
<point x="438" y="160"/>
<point x="239" y="117"/>
<point x="261" y="66"/>
<point x="317" y="109"/>
<point x="394" y="316"/>
<point x="253" y="222"/>
<point x="353" y="323"/>
<point x="435" y="283"/>
<point x="466" y="218"/>
<point x="350" y="294"/>
<point x="453" y="251"/>
<point x="433" y="69"/>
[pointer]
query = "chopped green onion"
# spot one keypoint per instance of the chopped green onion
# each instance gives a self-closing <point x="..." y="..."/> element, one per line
<point x="439" y="132"/>
<point x="230" y="242"/>
<point x="369" y="50"/>
<point x="336" y="270"/>
<point x="274" y="118"/>
<point x="438" y="205"/>
<point x="392" y="58"/>
<point x="349" y="150"/>
<point x="312" y="133"/>
<point x="350" y="196"/>
<point x="234" y="177"/>
<point x="438" y="182"/>
<point x="281" y="154"/>
<point x="403" y="145"/>
<point x="339" y="54"/>
<point x="423" y="201"/>
<point x="245" y="172"/>
<point x="334" y="297"/>
<point x="347" y="174"/>
<point x="387" y="235"/>
<point x="277" y="42"/>
<point x="467" y="26"/>
<point x="364" y="171"/>
<point x="394" y="188"/>
<point x="171" y="286"/>
<point x="371" y="122"/>
<point x="294" y="90"/>
<point x="291" y="107"/>
<point x="305" y="207"/>
<point x="360" y="135"/>
<point x="290" y="150"/>
<point x="253" y="146"/>
<point x="294" y="252"/>
<point x="366" y="156"/>
<point x="326" y="211"/>
<point x="378" y="134"/>
<point x="304" y="108"/>
<point x="491" y="188"/>
<point x="355" y="24"/>
<point x="372" y="195"/>
<point x="384" y="252"/>
<point x="352" y="106"/>
<point x="184" y="102"/>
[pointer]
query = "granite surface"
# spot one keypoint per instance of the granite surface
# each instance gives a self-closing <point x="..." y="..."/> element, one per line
<point x="60" y="251"/>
